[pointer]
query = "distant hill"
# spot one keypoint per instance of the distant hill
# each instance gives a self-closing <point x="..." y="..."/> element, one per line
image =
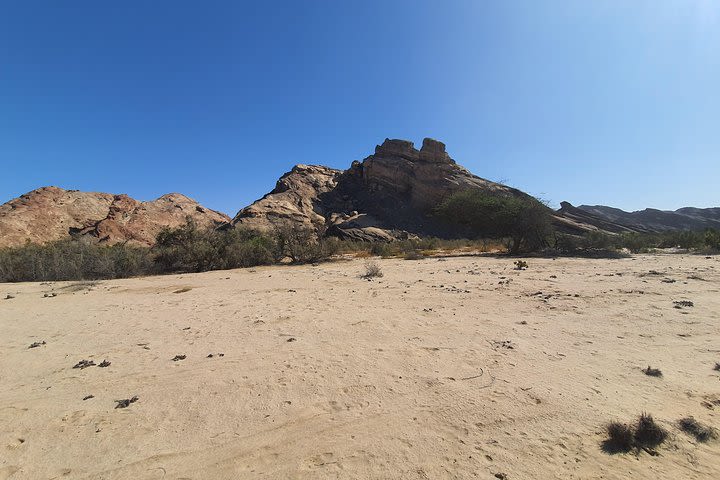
<point x="652" y="220"/>
<point x="52" y="213"/>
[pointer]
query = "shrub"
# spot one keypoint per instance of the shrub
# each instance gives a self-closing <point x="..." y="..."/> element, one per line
<point x="652" y="372"/>
<point x="372" y="270"/>
<point x="648" y="433"/>
<point x="702" y="433"/>
<point x="620" y="438"/>
<point x="644" y="433"/>
<point x="190" y="249"/>
<point x="73" y="260"/>
<point x="525" y="221"/>
<point x="303" y="244"/>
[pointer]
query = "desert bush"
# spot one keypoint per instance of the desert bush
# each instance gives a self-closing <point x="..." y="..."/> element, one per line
<point x="303" y="244"/>
<point x="701" y="432"/>
<point x="372" y="270"/>
<point x="621" y="438"/>
<point x="644" y="433"/>
<point x="72" y="260"/>
<point x="192" y="249"/>
<point x="652" y="372"/>
<point x="525" y="222"/>
<point x="648" y="433"/>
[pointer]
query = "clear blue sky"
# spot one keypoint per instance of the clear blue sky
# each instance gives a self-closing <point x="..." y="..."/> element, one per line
<point x="607" y="101"/>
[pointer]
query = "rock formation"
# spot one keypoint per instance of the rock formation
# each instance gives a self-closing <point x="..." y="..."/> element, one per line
<point x="294" y="200"/>
<point x="52" y="213"/>
<point x="388" y="195"/>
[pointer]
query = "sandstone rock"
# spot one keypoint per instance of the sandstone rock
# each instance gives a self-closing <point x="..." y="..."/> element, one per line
<point x="52" y="213"/>
<point x="295" y="200"/>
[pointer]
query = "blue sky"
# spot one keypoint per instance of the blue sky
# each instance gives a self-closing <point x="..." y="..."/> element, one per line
<point x="597" y="102"/>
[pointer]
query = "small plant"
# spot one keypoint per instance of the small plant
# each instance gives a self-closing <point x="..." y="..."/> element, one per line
<point x="702" y="433"/>
<point x="620" y="438"/>
<point x="648" y="434"/>
<point x="652" y="372"/>
<point x="372" y="270"/>
<point x="683" y="303"/>
<point x="717" y="367"/>
<point x="520" y="265"/>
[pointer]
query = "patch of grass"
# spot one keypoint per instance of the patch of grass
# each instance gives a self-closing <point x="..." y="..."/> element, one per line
<point x="652" y="372"/>
<point x="717" y="367"/>
<point x="372" y="270"/>
<point x="183" y="290"/>
<point x="701" y="432"/>
<point x="648" y="433"/>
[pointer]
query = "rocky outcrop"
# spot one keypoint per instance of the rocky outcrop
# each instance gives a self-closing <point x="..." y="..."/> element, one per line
<point x="295" y="200"/>
<point x="389" y="195"/>
<point x="52" y="213"/>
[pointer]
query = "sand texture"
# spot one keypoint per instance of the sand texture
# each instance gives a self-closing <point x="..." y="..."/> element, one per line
<point x="443" y="368"/>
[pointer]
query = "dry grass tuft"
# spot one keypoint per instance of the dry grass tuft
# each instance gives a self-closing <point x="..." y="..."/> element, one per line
<point x="372" y="270"/>
<point x="652" y="372"/>
<point x="648" y="433"/>
<point x="701" y="432"/>
<point x="620" y="438"/>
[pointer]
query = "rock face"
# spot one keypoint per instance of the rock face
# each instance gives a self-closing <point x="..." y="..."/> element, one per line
<point x="387" y="196"/>
<point x="52" y="213"/>
<point x="294" y="200"/>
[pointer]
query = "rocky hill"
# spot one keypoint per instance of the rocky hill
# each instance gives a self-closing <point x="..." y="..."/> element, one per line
<point x="52" y="213"/>
<point x="644" y="221"/>
<point x="388" y="195"/>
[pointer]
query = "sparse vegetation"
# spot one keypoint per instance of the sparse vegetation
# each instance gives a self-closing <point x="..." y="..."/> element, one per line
<point x="701" y="432"/>
<point x="372" y="270"/>
<point x="620" y="438"/>
<point x="652" y="372"/>
<point x="72" y="260"/>
<point x="648" y="433"/>
<point x="645" y="433"/>
<point x="604" y="244"/>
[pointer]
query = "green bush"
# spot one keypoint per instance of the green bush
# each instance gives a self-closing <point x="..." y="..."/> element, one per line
<point x="190" y="249"/>
<point x="524" y="221"/>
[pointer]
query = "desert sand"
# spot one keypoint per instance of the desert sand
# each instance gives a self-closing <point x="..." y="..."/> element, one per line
<point x="443" y="368"/>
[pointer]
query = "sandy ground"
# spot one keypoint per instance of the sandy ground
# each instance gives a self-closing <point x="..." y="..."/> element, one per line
<point x="326" y="375"/>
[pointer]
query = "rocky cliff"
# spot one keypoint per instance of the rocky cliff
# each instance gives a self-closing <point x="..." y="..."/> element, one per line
<point x="52" y="213"/>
